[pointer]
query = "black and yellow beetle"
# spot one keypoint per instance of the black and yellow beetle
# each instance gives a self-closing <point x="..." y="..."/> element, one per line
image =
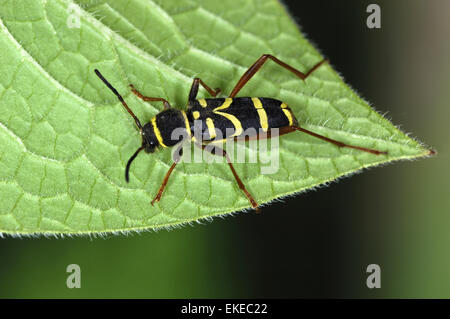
<point x="232" y="115"/>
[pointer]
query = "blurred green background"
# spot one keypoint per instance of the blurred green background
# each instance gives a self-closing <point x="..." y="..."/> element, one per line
<point x="397" y="216"/>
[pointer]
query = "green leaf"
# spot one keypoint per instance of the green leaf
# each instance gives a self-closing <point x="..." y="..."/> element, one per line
<point x="65" y="139"/>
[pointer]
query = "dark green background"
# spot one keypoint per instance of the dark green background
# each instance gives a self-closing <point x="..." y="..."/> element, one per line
<point x="317" y="244"/>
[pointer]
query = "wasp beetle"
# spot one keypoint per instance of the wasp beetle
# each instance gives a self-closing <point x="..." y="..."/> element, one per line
<point x="235" y="113"/>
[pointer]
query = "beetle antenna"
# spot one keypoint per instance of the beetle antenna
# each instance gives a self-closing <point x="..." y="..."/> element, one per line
<point x="127" y="169"/>
<point x="138" y="123"/>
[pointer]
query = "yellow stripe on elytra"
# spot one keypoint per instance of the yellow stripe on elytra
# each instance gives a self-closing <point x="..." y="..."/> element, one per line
<point x="202" y="102"/>
<point x="261" y="113"/>
<point x="157" y="132"/>
<point x="237" y="125"/>
<point x="225" y="104"/>
<point x="233" y="119"/>
<point x="186" y="122"/>
<point x="211" y="128"/>
<point x="196" y="115"/>
<point x="283" y="105"/>
<point x="288" y="114"/>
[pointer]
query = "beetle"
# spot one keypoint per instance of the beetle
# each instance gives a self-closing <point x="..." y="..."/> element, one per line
<point x="232" y="115"/>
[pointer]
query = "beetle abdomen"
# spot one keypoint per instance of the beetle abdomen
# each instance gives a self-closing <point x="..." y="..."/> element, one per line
<point x="227" y="117"/>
